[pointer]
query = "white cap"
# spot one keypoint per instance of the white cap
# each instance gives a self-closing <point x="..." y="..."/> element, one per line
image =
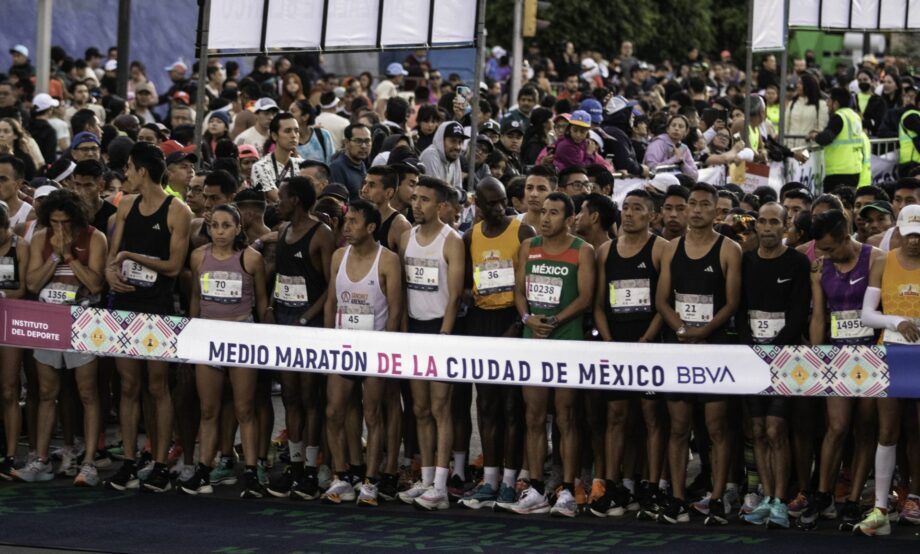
<point x="265" y="103"/>
<point x="395" y="69"/>
<point x="909" y="220"/>
<point x="498" y="51"/>
<point x="588" y="63"/>
<point x="662" y="181"/>
<point x="43" y="101"/>
<point x="596" y="137"/>
<point x="20" y="49"/>
<point x="746" y="155"/>
<point x="111" y="65"/>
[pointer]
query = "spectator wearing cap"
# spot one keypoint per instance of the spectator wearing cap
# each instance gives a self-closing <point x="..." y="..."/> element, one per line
<point x="328" y="118"/>
<point x="350" y="165"/>
<point x="39" y="127"/>
<point x="637" y="81"/>
<point x="618" y="124"/>
<point x="180" y="83"/>
<point x="154" y="133"/>
<point x="248" y="156"/>
<point x="180" y="167"/>
<point x="527" y="100"/>
<point x="572" y="148"/>
<point x="85" y="146"/>
<point x="21" y="69"/>
<point x="442" y="158"/>
<point x="389" y="87"/>
<point x="145" y="98"/>
<point x="509" y="144"/>
<point x="876" y="217"/>
<point x="265" y="109"/>
<point x="491" y="129"/>
<point x="217" y="128"/>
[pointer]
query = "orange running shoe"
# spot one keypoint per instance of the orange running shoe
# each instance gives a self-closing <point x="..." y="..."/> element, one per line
<point x="598" y="488"/>
<point x="581" y="496"/>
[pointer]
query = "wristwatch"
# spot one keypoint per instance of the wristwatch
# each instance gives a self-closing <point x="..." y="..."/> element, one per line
<point x="682" y="330"/>
<point x="524" y="318"/>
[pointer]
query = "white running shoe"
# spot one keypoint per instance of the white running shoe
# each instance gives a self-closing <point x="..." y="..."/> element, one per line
<point x="88" y="476"/>
<point x="324" y="477"/>
<point x="433" y="499"/>
<point x="367" y="495"/>
<point x="751" y="501"/>
<point x="409" y="496"/>
<point x="565" y="505"/>
<point x="35" y="471"/>
<point x="69" y="466"/>
<point x="531" y="502"/>
<point x="339" y="491"/>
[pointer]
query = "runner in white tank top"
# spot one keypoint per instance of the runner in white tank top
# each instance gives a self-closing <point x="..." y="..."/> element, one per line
<point x="362" y="304"/>
<point x="426" y="276"/>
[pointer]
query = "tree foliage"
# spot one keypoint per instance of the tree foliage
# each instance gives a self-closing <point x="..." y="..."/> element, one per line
<point x="659" y="29"/>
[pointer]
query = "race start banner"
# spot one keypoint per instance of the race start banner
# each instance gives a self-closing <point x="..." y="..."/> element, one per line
<point x="664" y="368"/>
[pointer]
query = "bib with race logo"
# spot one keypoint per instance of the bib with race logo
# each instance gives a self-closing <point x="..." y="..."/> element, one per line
<point x="895" y="337"/>
<point x="422" y="274"/>
<point x="223" y="287"/>
<point x="848" y="325"/>
<point x="7" y="270"/>
<point x="59" y="293"/>
<point x="694" y="309"/>
<point x="494" y="276"/>
<point x="630" y="295"/>
<point x="138" y="274"/>
<point x="766" y="325"/>
<point x="291" y="291"/>
<point x="355" y="317"/>
<point x="544" y="291"/>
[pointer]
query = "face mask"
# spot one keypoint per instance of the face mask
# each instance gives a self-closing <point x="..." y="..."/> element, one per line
<point x="865" y="86"/>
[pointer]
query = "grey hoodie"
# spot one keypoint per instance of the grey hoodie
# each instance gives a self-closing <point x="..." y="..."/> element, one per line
<point x="436" y="164"/>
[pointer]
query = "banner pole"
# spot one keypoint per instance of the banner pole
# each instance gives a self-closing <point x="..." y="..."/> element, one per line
<point x="477" y="94"/>
<point x="749" y="68"/>
<point x="202" y="47"/>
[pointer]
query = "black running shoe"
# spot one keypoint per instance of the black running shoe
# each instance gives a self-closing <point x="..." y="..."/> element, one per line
<point x="699" y="486"/>
<point x="388" y="487"/>
<point x="851" y="512"/>
<point x="821" y="502"/>
<point x="125" y="478"/>
<point x="251" y="486"/>
<point x="675" y="512"/>
<point x="199" y="483"/>
<point x="601" y="506"/>
<point x="716" y="515"/>
<point x="307" y="488"/>
<point x="158" y="480"/>
<point x="280" y="486"/>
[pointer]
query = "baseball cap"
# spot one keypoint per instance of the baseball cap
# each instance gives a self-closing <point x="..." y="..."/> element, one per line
<point x="80" y="138"/>
<point x="110" y="65"/>
<point x="565" y="116"/>
<point x="617" y="103"/>
<point x="264" y="104"/>
<point x="145" y="87"/>
<point x="491" y="126"/>
<point x="20" y="49"/>
<point x="498" y="51"/>
<point x="395" y="69"/>
<point x="593" y="135"/>
<point x="594" y="109"/>
<point x="662" y="181"/>
<point x="511" y="125"/>
<point x="182" y="97"/>
<point x="337" y="191"/>
<point x="43" y="101"/>
<point x="175" y="152"/>
<point x="882" y="206"/>
<point x="580" y="118"/>
<point x="485" y="141"/>
<point x="248" y="151"/>
<point x="454" y="130"/>
<point x="909" y="220"/>
<point x="178" y="64"/>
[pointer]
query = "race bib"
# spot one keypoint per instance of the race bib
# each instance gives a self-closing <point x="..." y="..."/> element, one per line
<point x="59" y="293"/>
<point x="494" y="276"/>
<point x="766" y="325"/>
<point x="694" y="309"/>
<point x="894" y="337"/>
<point x="354" y="317"/>
<point x="7" y="269"/>
<point x="848" y="325"/>
<point x="544" y="291"/>
<point x="138" y="274"/>
<point x="224" y="287"/>
<point x="291" y="291"/>
<point x="422" y="274"/>
<point x="630" y="295"/>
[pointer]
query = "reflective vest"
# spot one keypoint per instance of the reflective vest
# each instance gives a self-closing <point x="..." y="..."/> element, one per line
<point x="849" y="153"/>
<point x="906" y="138"/>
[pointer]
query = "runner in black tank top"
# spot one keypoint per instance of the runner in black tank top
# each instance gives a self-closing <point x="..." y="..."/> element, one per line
<point x="148" y="235"/>
<point x="630" y="321"/>
<point x="293" y="260"/>
<point x="699" y="288"/>
<point x="382" y="233"/>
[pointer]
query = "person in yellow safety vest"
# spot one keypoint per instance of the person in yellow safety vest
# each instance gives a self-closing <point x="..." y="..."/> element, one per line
<point x="909" y="140"/>
<point x="846" y="147"/>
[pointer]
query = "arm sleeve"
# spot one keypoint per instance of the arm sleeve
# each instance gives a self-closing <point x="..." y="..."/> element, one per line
<point x="874" y="318"/>
<point x="798" y="306"/>
<point x="834" y="126"/>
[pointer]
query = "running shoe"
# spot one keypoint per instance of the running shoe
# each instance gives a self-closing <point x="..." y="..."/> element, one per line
<point x="850" y="513"/>
<point x="102" y="459"/>
<point x="779" y="515"/>
<point x="432" y="500"/>
<point x="324" y="476"/>
<point x="387" y="487"/>
<point x="158" y="481"/>
<point x="125" y="478"/>
<point x="224" y="472"/>
<point x="581" y="495"/>
<point x="603" y="506"/>
<point x="910" y="512"/>
<point x="367" y="496"/>
<point x="718" y="513"/>
<point x="799" y="504"/>
<point x="252" y="488"/>
<point x="760" y="514"/>
<point x="565" y="506"/>
<point x="822" y="503"/>
<point x="598" y="489"/>
<point x="35" y="471"/>
<point x="675" y="512"/>
<point x="185" y="473"/>
<point x="7" y="466"/>
<point x="732" y="500"/>
<point x="339" y="491"/>
<point x="554" y="481"/>
<point x="875" y="523"/>
<point x="482" y="496"/>
<point x="506" y="498"/>
<point x="280" y="486"/>
<point x="752" y="501"/>
<point x="145" y="465"/>
<point x="87" y="477"/>
<point x="456" y="488"/>
<point x="701" y="506"/>
<point x="409" y="496"/>
<point x="198" y="483"/>
<point x="69" y="466"/>
<point x="307" y="488"/>
<point x="262" y="472"/>
<point x="530" y="502"/>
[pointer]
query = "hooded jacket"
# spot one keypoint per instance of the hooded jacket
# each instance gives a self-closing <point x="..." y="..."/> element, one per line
<point x="436" y="164"/>
<point x="659" y="153"/>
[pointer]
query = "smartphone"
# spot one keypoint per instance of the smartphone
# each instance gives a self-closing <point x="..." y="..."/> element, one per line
<point x="464" y="91"/>
<point x="710" y="115"/>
